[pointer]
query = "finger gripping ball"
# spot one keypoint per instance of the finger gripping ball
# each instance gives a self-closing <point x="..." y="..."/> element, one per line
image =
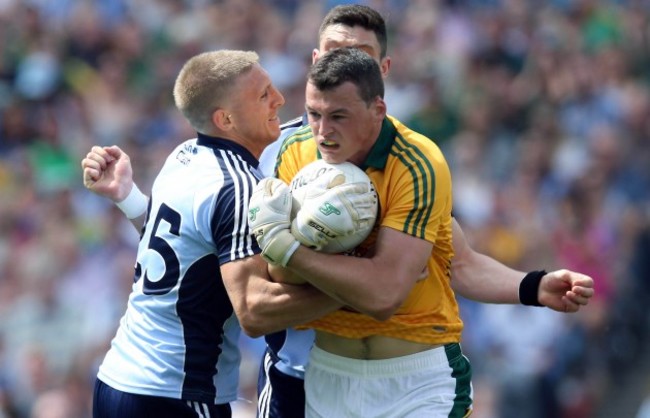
<point x="345" y="220"/>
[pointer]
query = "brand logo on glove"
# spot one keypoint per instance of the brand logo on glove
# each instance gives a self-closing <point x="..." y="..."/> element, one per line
<point x="328" y="209"/>
<point x="252" y="213"/>
<point x="321" y="229"/>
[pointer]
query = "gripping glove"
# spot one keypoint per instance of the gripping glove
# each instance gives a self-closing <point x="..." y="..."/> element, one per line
<point x="269" y="218"/>
<point x="335" y="212"/>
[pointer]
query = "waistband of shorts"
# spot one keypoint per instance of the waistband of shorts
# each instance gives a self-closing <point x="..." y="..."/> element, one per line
<point x="425" y="360"/>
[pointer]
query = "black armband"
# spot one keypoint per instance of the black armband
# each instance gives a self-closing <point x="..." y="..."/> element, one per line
<point x="529" y="287"/>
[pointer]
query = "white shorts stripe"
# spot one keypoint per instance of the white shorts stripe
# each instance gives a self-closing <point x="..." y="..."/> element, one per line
<point x="202" y="410"/>
<point x="267" y="391"/>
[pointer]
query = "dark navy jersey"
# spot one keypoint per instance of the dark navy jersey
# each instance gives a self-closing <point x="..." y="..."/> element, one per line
<point x="179" y="335"/>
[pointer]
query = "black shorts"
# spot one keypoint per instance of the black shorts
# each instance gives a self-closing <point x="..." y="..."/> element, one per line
<point x="279" y="395"/>
<point x="112" y="403"/>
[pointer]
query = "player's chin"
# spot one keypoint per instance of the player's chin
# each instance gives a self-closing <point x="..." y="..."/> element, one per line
<point x="333" y="158"/>
<point x="330" y="155"/>
<point x="274" y="129"/>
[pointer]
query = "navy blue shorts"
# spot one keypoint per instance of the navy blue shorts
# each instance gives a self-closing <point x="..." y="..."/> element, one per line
<point x="279" y="395"/>
<point x="112" y="403"/>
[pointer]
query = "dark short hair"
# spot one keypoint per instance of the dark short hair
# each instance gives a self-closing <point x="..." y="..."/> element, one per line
<point x="358" y="15"/>
<point x="341" y="65"/>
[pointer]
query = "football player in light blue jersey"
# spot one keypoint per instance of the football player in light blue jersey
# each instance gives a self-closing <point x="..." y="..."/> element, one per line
<point x="198" y="271"/>
<point x="474" y="275"/>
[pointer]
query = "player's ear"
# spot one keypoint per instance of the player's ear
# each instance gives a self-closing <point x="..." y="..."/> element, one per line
<point x="315" y="54"/>
<point x="379" y="106"/>
<point x="222" y="119"/>
<point x="384" y="66"/>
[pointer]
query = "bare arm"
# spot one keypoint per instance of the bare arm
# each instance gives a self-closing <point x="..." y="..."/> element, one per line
<point x="375" y="286"/>
<point x="263" y="306"/>
<point x="107" y="172"/>
<point x="284" y="275"/>
<point x="479" y="277"/>
<point x="484" y="279"/>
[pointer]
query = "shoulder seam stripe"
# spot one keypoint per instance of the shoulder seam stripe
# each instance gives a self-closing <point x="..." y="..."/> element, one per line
<point x="243" y="184"/>
<point x="414" y="159"/>
<point x="300" y="135"/>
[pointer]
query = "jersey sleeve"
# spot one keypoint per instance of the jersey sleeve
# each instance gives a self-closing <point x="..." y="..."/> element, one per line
<point x="420" y="194"/>
<point x="286" y="168"/>
<point x="229" y="222"/>
<point x="297" y="150"/>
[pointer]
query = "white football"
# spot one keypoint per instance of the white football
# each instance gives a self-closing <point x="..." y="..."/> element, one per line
<point x="321" y="175"/>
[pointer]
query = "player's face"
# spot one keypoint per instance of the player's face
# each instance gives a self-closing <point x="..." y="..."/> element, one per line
<point x="340" y="36"/>
<point x="254" y="110"/>
<point x="344" y="126"/>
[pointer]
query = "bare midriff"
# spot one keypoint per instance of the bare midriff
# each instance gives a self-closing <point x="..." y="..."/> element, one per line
<point x="376" y="347"/>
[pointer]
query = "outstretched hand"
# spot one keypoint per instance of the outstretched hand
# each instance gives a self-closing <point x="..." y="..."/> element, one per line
<point x="107" y="172"/>
<point x="565" y="290"/>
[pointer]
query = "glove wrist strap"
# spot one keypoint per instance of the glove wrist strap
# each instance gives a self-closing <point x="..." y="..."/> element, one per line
<point x="280" y="249"/>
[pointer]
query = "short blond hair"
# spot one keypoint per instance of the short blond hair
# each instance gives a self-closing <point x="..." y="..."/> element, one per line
<point x="204" y="83"/>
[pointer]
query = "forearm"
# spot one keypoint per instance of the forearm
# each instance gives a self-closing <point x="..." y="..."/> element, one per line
<point x="138" y="222"/>
<point x="280" y="306"/>
<point x="355" y="282"/>
<point x="281" y="274"/>
<point x="333" y="275"/>
<point x="483" y="279"/>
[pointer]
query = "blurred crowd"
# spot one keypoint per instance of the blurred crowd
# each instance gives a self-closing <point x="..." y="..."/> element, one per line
<point x="541" y="107"/>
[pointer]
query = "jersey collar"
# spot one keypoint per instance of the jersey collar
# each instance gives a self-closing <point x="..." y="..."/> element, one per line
<point x="227" y="145"/>
<point x="379" y="152"/>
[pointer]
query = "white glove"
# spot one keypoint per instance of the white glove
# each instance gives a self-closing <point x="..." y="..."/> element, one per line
<point x="269" y="212"/>
<point x="335" y="212"/>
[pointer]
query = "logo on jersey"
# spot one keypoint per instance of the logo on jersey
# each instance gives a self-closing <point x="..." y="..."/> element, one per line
<point x="183" y="158"/>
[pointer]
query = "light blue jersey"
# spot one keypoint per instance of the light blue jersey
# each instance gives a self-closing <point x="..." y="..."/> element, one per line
<point x="290" y="346"/>
<point x="178" y="337"/>
<point x="270" y="153"/>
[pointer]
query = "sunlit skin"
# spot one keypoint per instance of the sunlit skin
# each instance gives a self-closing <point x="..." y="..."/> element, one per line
<point x="332" y="118"/>
<point x="344" y="126"/>
<point x="339" y="36"/>
<point x="252" y="118"/>
<point x="473" y="272"/>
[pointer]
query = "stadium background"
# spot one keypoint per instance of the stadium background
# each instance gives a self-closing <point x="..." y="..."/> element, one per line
<point x="541" y="107"/>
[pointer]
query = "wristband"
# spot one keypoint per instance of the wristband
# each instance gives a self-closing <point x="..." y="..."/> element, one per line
<point x="529" y="287"/>
<point x="135" y="203"/>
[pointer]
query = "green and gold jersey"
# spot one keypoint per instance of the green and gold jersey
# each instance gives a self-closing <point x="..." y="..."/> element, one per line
<point x="413" y="183"/>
